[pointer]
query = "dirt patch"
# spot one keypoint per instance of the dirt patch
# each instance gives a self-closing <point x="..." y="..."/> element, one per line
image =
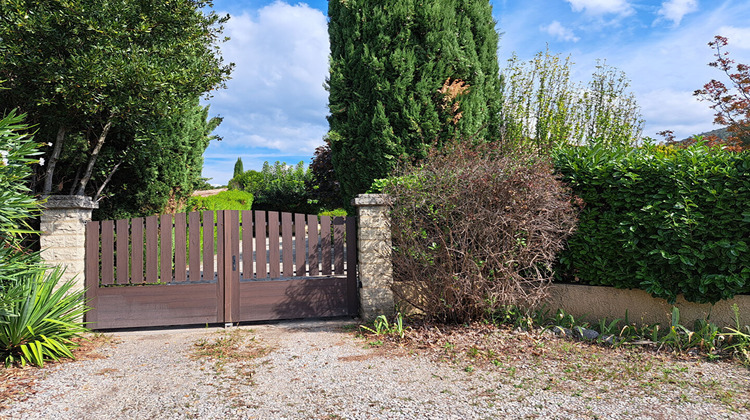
<point x="208" y="193"/>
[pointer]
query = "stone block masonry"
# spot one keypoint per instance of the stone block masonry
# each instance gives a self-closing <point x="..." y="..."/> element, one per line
<point x="63" y="227"/>
<point x="374" y="244"/>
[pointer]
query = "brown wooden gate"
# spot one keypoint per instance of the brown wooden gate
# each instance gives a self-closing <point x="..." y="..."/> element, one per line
<point x="219" y="267"/>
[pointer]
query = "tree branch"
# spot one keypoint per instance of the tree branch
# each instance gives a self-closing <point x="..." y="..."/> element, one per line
<point x="94" y="155"/>
<point x="106" y="181"/>
<point x="53" y="161"/>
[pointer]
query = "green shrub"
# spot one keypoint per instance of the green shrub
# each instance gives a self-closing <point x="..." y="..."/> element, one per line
<point x="225" y="200"/>
<point x="474" y="230"/>
<point x="40" y="325"/>
<point x="669" y="222"/>
<point x="17" y="153"/>
<point x="284" y="188"/>
<point x="249" y="181"/>
<point x="333" y="213"/>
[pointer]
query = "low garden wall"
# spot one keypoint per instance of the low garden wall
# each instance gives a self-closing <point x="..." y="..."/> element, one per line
<point x="592" y="303"/>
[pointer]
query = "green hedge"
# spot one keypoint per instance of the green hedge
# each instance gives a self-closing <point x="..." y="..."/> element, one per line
<point x="225" y="200"/>
<point x="668" y="221"/>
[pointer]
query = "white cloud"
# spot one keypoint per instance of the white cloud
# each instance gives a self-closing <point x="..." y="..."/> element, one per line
<point x="562" y="33"/>
<point x="665" y="70"/>
<point x="676" y="110"/>
<point x="738" y="37"/>
<point x="276" y="100"/>
<point x="602" y="7"/>
<point x="674" y="10"/>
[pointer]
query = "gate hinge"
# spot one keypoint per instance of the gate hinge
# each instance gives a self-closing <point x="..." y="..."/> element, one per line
<point x="234" y="263"/>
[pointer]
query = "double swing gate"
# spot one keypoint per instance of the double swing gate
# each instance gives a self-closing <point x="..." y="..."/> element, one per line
<point x="219" y="267"/>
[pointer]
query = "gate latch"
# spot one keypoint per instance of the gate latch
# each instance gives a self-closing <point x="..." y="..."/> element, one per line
<point x="234" y="263"/>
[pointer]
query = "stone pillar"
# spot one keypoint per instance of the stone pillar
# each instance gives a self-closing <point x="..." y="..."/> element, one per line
<point x="374" y="244"/>
<point x="63" y="227"/>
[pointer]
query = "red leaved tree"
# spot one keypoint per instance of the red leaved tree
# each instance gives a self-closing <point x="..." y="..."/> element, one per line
<point x="731" y="102"/>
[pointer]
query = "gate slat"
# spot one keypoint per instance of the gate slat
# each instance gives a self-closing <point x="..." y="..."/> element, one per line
<point x="247" y="244"/>
<point x="274" y="259"/>
<point x="338" y="245"/>
<point x="165" y="273"/>
<point x="108" y="252"/>
<point x="91" y="274"/>
<point x="325" y="244"/>
<point x="152" y="249"/>
<point x="286" y="244"/>
<point x="221" y="251"/>
<point x="299" y="242"/>
<point x="180" y="248"/>
<point x="123" y="235"/>
<point x="351" y="264"/>
<point x="232" y="279"/>
<point x="136" y="235"/>
<point x="260" y="244"/>
<point x="312" y="244"/>
<point x="92" y="255"/>
<point x="194" y="225"/>
<point x="208" y="245"/>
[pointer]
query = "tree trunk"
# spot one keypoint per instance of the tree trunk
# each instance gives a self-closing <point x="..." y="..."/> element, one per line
<point x="53" y="161"/>
<point x="92" y="160"/>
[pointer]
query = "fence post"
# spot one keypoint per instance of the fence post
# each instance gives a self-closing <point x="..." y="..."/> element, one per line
<point x="374" y="245"/>
<point x="63" y="226"/>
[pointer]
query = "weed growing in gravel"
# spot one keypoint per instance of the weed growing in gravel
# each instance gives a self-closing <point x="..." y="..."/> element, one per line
<point x="381" y="326"/>
<point x="229" y="346"/>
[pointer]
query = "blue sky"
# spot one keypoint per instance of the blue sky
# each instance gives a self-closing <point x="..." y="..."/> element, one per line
<point x="274" y="107"/>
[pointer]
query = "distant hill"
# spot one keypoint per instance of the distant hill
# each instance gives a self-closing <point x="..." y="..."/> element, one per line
<point x="721" y="133"/>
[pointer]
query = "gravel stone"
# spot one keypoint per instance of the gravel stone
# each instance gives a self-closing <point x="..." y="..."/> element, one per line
<point x="315" y="369"/>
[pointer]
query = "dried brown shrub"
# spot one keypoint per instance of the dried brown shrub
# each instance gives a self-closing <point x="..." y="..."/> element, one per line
<point x="476" y="228"/>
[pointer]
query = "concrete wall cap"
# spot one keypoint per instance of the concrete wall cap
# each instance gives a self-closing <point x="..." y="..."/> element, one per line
<point x="371" y="200"/>
<point x="70" y="202"/>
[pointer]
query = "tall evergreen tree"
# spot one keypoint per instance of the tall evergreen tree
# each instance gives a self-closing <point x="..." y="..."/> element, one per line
<point x="405" y="74"/>
<point x="239" y="169"/>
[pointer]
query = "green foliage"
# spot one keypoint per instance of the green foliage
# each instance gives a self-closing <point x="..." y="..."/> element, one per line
<point x="239" y="169"/>
<point x="333" y="213"/>
<point x="159" y="172"/>
<point x="381" y="326"/>
<point x="18" y="153"/>
<point x="225" y="200"/>
<point x="668" y="222"/>
<point x="82" y="75"/>
<point x="284" y="188"/>
<point x="474" y="229"/>
<point x="278" y="187"/>
<point x="541" y="105"/>
<point x="739" y="338"/>
<point x="405" y="74"/>
<point x="43" y="321"/>
<point x="249" y="181"/>
<point x="324" y="187"/>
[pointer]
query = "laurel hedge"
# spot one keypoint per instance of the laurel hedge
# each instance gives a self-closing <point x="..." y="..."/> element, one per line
<point x="669" y="221"/>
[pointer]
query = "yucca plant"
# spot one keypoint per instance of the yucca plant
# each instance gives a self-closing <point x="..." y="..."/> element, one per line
<point x="40" y="325"/>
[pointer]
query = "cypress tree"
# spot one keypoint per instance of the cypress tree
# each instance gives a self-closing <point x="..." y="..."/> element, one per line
<point x="405" y="74"/>
<point x="238" y="168"/>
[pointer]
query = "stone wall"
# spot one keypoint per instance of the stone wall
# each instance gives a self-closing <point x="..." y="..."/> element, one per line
<point x="374" y="245"/>
<point x="63" y="234"/>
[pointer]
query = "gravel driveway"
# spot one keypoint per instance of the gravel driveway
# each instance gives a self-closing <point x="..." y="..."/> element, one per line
<point x="311" y="369"/>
